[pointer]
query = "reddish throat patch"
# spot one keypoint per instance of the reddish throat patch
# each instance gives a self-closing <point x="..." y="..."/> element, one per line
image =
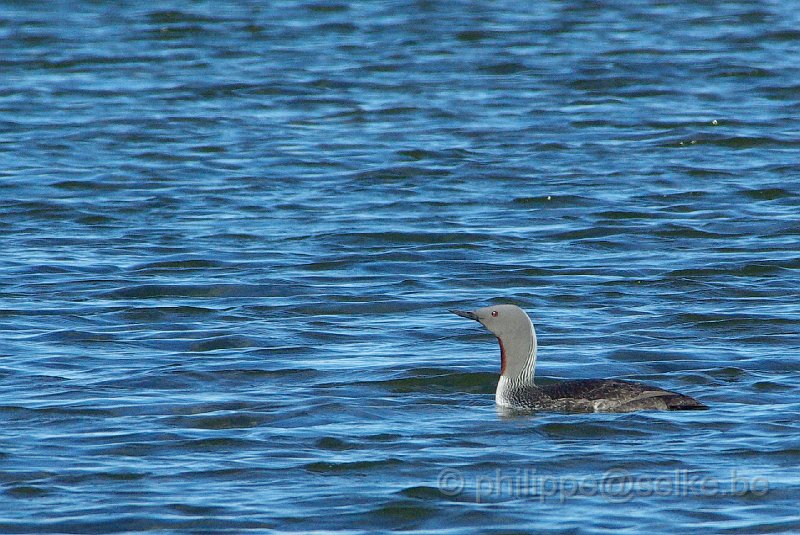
<point x="502" y="357"/>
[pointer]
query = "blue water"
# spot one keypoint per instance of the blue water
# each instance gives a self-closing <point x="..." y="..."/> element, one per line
<point x="230" y="235"/>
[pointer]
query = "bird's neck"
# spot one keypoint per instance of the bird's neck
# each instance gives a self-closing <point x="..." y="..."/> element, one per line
<point x="518" y="360"/>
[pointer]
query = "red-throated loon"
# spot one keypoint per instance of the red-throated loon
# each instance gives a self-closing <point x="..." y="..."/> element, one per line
<point x="515" y="390"/>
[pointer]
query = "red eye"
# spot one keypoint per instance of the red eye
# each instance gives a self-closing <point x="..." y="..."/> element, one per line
<point x="494" y="313"/>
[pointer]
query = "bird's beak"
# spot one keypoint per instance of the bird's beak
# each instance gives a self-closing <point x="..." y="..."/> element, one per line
<point x="466" y="314"/>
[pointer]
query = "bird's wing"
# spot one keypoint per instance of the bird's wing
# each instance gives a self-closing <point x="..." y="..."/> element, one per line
<point x="619" y="396"/>
<point x="594" y="389"/>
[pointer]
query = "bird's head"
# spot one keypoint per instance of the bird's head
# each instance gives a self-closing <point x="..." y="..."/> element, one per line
<point x="513" y="328"/>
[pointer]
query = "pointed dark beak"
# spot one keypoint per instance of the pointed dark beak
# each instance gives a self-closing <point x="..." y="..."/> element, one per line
<point x="466" y="314"/>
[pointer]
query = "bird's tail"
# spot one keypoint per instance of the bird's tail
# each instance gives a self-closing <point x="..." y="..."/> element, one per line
<point x="679" y="402"/>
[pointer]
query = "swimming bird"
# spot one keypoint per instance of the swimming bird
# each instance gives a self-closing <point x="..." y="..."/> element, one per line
<point x="516" y="391"/>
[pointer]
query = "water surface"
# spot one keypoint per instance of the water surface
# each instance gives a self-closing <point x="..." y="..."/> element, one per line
<point x="230" y="236"/>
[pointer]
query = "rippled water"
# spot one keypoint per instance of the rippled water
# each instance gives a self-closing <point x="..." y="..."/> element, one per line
<point x="231" y="235"/>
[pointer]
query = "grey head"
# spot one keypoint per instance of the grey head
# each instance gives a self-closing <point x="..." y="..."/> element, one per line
<point x="517" y="337"/>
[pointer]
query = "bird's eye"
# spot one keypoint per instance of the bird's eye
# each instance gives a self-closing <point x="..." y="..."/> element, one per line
<point x="494" y="313"/>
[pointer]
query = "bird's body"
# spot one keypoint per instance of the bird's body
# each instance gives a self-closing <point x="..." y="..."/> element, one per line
<point x="517" y="391"/>
<point x="597" y="395"/>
